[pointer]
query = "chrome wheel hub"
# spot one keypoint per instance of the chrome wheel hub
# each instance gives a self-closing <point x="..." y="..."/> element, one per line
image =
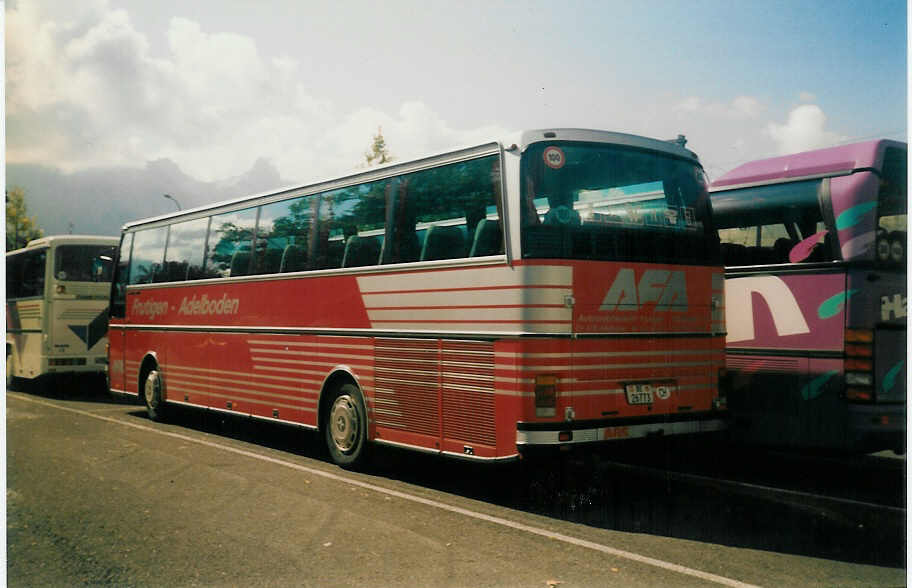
<point x="151" y="387"/>
<point x="343" y="423"/>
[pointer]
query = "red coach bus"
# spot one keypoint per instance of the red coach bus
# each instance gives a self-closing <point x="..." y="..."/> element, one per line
<point x="814" y="245"/>
<point x="562" y="289"/>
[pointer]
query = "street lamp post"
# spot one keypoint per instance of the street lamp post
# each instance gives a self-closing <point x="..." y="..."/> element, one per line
<point x="172" y="199"/>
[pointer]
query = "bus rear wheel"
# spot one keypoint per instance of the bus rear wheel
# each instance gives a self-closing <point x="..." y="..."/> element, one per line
<point x="153" y="396"/>
<point x="345" y="426"/>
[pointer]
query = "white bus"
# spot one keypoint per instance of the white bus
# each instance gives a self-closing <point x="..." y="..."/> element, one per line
<point x="57" y="291"/>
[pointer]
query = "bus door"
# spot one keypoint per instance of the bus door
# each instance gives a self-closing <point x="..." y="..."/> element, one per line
<point x="117" y="314"/>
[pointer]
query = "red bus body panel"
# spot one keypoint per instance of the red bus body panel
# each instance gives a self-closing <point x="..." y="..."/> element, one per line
<point x="446" y="358"/>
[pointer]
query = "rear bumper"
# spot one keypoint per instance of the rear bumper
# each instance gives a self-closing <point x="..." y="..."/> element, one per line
<point x="553" y="434"/>
<point x="877" y="426"/>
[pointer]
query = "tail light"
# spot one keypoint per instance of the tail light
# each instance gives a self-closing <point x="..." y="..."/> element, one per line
<point x="859" y="365"/>
<point x="545" y="396"/>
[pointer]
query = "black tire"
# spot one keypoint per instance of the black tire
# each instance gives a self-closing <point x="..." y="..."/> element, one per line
<point x="153" y="393"/>
<point x="345" y="426"/>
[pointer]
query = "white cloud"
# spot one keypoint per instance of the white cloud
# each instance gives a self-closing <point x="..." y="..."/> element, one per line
<point x="723" y="134"/>
<point x="87" y="92"/>
<point x="739" y="108"/>
<point x="747" y="106"/>
<point x="804" y="130"/>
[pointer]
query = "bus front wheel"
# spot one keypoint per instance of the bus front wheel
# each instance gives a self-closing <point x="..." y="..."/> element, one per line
<point x="153" y="396"/>
<point x="345" y="426"/>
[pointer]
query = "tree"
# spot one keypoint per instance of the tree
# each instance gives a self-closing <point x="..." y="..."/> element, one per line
<point x="378" y="153"/>
<point x="20" y="228"/>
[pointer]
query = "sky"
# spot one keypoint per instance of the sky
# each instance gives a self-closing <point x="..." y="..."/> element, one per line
<point x="112" y="103"/>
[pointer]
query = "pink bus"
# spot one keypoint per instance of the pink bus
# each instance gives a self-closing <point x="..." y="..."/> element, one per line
<point x="815" y="251"/>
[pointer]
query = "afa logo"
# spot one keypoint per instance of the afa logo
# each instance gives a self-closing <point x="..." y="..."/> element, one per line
<point x="665" y="289"/>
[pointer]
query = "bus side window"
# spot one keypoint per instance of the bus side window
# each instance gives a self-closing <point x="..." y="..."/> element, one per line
<point x="32" y="268"/>
<point x="283" y="233"/>
<point x="13" y="276"/>
<point x="231" y="233"/>
<point x="452" y="207"/>
<point x="148" y="255"/>
<point x="401" y="240"/>
<point x="360" y="208"/>
<point x="186" y="250"/>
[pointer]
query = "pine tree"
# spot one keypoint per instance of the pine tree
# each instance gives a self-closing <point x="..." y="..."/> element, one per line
<point x="378" y="154"/>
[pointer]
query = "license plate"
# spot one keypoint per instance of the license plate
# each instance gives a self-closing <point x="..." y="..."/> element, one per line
<point x="645" y="392"/>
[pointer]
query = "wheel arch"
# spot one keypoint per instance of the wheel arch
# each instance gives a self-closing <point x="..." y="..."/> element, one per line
<point x="337" y="376"/>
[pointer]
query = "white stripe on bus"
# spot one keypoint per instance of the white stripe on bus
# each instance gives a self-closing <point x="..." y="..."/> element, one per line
<point x="526" y="276"/>
<point x="473" y="298"/>
<point x="317" y="344"/>
<point x="586" y="354"/>
<point x="501" y="315"/>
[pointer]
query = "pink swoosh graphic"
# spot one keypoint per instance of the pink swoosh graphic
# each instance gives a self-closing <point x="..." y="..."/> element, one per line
<point x="802" y="250"/>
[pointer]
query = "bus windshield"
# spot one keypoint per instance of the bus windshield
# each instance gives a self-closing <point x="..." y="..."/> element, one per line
<point x="83" y="263"/>
<point x="607" y="202"/>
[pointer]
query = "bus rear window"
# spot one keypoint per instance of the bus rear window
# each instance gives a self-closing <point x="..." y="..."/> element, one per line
<point x="84" y="263"/>
<point x="606" y="202"/>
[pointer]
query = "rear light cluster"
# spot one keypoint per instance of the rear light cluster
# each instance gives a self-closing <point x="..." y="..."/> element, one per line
<point x="859" y="365"/>
<point x="545" y="396"/>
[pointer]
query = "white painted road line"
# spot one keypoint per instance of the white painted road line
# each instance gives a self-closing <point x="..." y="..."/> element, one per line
<point x="672" y="567"/>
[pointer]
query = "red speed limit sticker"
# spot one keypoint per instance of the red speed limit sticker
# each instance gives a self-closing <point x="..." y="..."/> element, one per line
<point x="554" y="157"/>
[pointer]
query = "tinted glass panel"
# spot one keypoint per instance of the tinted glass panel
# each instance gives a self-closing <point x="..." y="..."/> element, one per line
<point x="445" y="212"/>
<point x="354" y="220"/>
<point x="83" y="263"/>
<point x="231" y="243"/>
<point x="766" y="204"/>
<point x="148" y="255"/>
<point x="775" y="224"/>
<point x="594" y="201"/>
<point x="186" y="251"/>
<point x="283" y="235"/>
<point x="25" y="274"/>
